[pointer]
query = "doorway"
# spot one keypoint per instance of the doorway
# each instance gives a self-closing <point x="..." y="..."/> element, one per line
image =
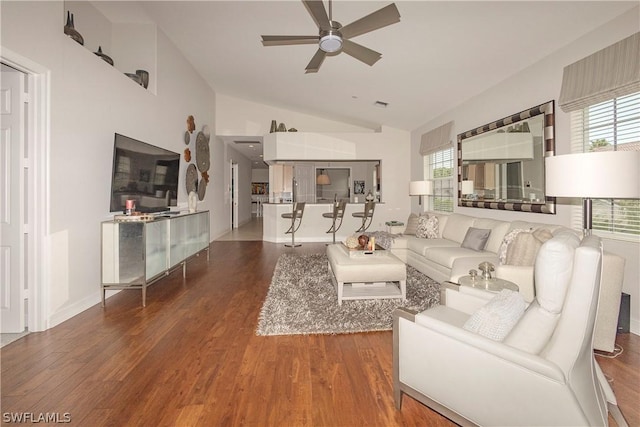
<point x="234" y="195"/>
<point x="24" y="144"/>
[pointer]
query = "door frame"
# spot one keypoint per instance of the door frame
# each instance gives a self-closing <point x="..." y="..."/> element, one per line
<point x="234" y="195"/>
<point x="38" y="141"/>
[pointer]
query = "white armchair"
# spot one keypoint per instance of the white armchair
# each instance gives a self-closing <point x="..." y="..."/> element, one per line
<point x="542" y="373"/>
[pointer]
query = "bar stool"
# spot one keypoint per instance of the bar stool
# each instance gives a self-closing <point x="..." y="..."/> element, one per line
<point x="337" y="214"/>
<point x="295" y="214"/>
<point x="367" y="216"/>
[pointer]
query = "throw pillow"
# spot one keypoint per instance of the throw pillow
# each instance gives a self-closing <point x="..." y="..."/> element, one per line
<point x="427" y="227"/>
<point x="476" y="238"/>
<point x="496" y="318"/>
<point x="508" y="238"/>
<point x="524" y="248"/>
<point x="412" y="224"/>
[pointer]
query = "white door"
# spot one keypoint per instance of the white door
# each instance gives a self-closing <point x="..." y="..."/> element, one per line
<point x="234" y="195"/>
<point x="11" y="202"/>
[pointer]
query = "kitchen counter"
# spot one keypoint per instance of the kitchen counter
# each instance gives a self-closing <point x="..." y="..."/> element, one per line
<point x="314" y="225"/>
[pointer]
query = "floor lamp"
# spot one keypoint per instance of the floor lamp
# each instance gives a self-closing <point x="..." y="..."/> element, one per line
<point x="593" y="175"/>
<point x="420" y="188"/>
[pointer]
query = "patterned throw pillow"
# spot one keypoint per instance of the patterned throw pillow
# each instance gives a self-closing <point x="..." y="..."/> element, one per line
<point x="427" y="227"/>
<point x="510" y="237"/>
<point x="496" y="318"/>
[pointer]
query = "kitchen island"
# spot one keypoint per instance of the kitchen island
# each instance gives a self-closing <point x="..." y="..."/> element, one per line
<point x="314" y="226"/>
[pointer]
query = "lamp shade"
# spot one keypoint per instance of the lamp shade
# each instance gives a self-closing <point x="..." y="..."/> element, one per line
<point x="467" y="187"/>
<point x="604" y="174"/>
<point x="323" y="179"/>
<point x="420" y="188"/>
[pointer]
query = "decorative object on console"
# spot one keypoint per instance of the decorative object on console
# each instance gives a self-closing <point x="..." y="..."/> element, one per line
<point x="71" y="31"/>
<point x="594" y="175"/>
<point x="144" y="78"/>
<point x="487" y="268"/>
<point x="191" y="124"/>
<point x="104" y="57"/>
<point x="274" y="126"/>
<point x="420" y="188"/>
<point x="281" y="128"/>
<point x="192" y="201"/>
<point x="292" y="130"/>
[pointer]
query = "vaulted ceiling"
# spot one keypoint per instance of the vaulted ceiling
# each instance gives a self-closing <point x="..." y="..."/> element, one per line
<point x="440" y="54"/>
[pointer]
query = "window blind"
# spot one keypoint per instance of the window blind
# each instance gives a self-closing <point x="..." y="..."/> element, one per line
<point x="612" y="125"/>
<point x="609" y="73"/>
<point x="436" y="139"/>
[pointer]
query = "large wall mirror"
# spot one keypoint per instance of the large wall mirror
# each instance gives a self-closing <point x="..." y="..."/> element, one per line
<point x="501" y="164"/>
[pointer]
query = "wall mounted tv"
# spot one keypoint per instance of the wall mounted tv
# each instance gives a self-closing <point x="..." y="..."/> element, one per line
<point x="144" y="173"/>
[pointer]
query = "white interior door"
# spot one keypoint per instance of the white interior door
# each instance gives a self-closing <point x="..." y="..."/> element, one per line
<point x="12" y="278"/>
<point x="234" y="195"/>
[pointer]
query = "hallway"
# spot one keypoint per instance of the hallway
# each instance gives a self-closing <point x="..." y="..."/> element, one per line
<point x="250" y="231"/>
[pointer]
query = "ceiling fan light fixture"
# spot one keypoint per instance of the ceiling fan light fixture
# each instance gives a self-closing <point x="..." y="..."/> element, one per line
<point x="331" y="43"/>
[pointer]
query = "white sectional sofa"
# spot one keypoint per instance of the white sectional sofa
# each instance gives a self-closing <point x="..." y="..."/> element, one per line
<point x="443" y="258"/>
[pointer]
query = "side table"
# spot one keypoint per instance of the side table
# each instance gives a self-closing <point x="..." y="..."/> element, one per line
<point x="491" y="285"/>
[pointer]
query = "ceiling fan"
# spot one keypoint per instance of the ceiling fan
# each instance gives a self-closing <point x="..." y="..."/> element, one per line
<point x="333" y="38"/>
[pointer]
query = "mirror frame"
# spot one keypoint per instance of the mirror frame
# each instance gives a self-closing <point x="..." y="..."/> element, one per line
<point x="549" y="205"/>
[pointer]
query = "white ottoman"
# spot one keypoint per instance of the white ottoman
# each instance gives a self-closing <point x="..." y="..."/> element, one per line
<point x="376" y="276"/>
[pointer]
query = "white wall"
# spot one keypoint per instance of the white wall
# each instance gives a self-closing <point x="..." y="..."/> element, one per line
<point x="390" y="146"/>
<point x="89" y="102"/>
<point x="259" y="175"/>
<point x="239" y="117"/>
<point x="235" y="116"/>
<point x="533" y="86"/>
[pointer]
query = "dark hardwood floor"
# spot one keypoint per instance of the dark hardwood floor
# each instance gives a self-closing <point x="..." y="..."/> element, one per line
<point x="191" y="357"/>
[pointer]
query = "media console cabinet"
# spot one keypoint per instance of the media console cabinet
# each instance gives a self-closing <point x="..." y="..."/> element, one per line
<point x="135" y="254"/>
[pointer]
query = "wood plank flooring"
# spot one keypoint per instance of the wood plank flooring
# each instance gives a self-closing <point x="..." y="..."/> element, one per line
<point x="191" y="358"/>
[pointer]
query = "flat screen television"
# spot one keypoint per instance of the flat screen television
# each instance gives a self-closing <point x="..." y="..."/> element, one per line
<point x="144" y="173"/>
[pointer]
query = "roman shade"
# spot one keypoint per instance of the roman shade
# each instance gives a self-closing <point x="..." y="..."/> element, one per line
<point x="609" y="73"/>
<point x="436" y="139"/>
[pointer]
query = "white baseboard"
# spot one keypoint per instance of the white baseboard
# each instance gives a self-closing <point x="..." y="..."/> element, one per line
<point x="66" y="313"/>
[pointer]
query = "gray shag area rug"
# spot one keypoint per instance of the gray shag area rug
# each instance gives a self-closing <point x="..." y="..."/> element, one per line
<point x="303" y="300"/>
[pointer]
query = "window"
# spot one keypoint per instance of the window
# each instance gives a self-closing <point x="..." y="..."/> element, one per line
<point x="439" y="167"/>
<point x="613" y="125"/>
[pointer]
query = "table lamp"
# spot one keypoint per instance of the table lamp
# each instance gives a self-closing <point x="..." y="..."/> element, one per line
<point x="420" y="188"/>
<point x="593" y="175"/>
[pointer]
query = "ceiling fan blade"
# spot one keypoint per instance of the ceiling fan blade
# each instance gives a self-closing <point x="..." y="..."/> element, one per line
<point x="381" y="18"/>
<point x="316" y="61"/>
<point x="318" y="13"/>
<point x="360" y="52"/>
<point x="287" y="40"/>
